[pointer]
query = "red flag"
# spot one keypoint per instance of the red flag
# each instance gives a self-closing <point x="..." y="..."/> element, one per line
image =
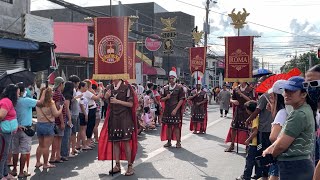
<point x="132" y="60"/>
<point x="111" y="41"/>
<point x="238" y="59"/>
<point x="197" y="59"/>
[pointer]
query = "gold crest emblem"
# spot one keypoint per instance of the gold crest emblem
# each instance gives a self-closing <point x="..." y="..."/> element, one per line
<point x="168" y="24"/>
<point x="238" y="20"/>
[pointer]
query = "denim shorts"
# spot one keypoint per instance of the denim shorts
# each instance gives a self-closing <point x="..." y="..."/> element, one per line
<point x="45" y="129"/>
<point x="274" y="170"/>
<point x="21" y="143"/>
<point x="76" y="124"/>
<point x="297" y="170"/>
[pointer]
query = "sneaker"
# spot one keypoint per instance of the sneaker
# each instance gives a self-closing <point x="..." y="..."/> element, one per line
<point x="221" y="115"/>
<point x="225" y="115"/>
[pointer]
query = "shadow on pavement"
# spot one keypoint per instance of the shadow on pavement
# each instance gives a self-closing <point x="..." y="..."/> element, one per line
<point x="188" y="156"/>
<point x="146" y="171"/>
<point x="75" y="164"/>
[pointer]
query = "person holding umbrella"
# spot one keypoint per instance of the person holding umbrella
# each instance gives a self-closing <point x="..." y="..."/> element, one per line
<point x="118" y="137"/>
<point x="21" y="142"/>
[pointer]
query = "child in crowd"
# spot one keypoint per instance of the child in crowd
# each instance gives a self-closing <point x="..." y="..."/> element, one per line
<point x="148" y="119"/>
<point x="252" y="142"/>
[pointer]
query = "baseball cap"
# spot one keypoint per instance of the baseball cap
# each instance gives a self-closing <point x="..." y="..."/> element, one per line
<point x="295" y="83"/>
<point x="57" y="82"/>
<point x="276" y="88"/>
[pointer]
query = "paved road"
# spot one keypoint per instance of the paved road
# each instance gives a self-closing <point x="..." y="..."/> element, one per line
<point x="201" y="157"/>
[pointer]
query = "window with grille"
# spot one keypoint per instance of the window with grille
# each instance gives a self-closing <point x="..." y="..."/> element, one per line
<point x="8" y="1"/>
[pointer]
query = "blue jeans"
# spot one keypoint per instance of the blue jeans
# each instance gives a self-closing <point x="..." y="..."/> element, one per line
<point x="317" y="150"/>
<point x="65" y="141"/>
<point x="263" y="139"/>
<point x="297" y="170"/>
<point x="250" y="163"/>
<point x="4" y="169"/>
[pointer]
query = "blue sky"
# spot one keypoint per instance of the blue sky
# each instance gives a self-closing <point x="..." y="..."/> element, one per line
<point x="286" y="27"/>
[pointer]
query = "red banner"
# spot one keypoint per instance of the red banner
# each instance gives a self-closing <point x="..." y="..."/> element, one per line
<point x="197" y="59"/>
<point x="110" y="44"/>
<point x="132" y="60"/>
<point x="238" y="59"/>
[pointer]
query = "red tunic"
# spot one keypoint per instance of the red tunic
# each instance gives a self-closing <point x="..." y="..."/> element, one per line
<point x="177" y="94"/>
<point x="105" y="145"/>
<point x="199" y="114"/>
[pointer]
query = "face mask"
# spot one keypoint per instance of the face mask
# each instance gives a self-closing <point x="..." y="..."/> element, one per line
<point x="289" y="108"/>
<point x="314" y="93"/>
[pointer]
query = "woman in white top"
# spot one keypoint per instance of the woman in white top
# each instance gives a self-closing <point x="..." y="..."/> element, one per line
<point x="92" y="106"/>
<point x="279" y="114"/>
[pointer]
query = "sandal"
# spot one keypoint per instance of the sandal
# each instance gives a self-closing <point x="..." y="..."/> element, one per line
<point x="116" y="169"/>
<point x="178" y="145"/>
<point x="229" y="149"/>
<point x="49" y="166"/>
<point x="38" y="165"/>
<point x="26" y="173"/>
<point x="13" y="173"/>
<point x="168" y="144"/>
<point x="130" y="170"/>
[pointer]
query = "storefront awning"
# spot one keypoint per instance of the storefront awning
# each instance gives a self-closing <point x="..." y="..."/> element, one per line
<point x="155" y="71"/>
<point x="18" y="44"/>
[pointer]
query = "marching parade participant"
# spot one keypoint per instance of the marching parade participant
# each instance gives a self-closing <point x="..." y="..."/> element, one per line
<point x="119" y="133"/>
<point x="173" y="96"/>
<point x="199" y="100"/>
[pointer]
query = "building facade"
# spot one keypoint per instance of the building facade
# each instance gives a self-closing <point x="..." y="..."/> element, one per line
<point x="17" y="51"/>
<point x="148" y="23"/>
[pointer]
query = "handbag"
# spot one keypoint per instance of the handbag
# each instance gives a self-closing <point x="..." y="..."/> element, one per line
<point x="29" y="131"/>
<point x="55" y="127"/>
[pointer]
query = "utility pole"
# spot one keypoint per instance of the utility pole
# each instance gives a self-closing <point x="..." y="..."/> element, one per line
<point x="110" y="8"/>
<point x="262" y="64"/>
<point x="206" y="32"/>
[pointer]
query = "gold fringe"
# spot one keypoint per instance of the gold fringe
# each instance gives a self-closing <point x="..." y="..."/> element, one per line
<point x="110" y="76"/>
<point x="238" y="79"/>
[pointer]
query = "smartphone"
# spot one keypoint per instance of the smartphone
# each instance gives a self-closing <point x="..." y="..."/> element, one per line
<point x="47" y="84"/>
<point x="264" y="161"/>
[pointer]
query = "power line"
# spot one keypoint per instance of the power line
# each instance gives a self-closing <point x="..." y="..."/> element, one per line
<point x="297" y="35"/>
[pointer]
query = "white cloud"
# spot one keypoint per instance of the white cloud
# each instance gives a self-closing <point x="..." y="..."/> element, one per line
<point x="297" y="17"/>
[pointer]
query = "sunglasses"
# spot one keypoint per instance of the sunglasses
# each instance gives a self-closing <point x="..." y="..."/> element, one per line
<point x="315" y="83"/>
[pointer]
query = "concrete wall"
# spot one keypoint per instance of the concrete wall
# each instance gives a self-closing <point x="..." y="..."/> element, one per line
<point x="9" y="13"/>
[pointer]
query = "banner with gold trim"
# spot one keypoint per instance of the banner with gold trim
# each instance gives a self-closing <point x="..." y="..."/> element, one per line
<point x="197" y="59"/>
<point x="131" y="63"/>
<point x="238" y="55"/>
<point x="110" y="45"/>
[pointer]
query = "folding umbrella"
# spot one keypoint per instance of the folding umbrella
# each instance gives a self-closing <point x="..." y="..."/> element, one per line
<point x="268" y="83"/>
<point x="260" y="72"/>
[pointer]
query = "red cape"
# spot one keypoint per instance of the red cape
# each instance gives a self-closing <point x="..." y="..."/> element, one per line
<point x="205" y="121"/>
<point x="164" y="127"/>
<point x="242" y="134"/>
<point x="105" y="146"/>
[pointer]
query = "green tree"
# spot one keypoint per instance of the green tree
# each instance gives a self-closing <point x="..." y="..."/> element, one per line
<point x="301" y="62"/>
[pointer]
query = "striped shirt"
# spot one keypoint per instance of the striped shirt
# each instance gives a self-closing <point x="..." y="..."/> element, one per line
<point x="59" y="100"/>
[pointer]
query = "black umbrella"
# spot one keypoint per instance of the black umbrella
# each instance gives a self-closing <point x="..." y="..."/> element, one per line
<point x="17" y="75"/>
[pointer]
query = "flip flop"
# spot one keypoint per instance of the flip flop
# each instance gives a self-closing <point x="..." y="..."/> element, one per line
<point x="58" y="161"/>
<point x="49" y="166"/>
<point x="52" y="161"/>
<point x="38" y="166"/>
